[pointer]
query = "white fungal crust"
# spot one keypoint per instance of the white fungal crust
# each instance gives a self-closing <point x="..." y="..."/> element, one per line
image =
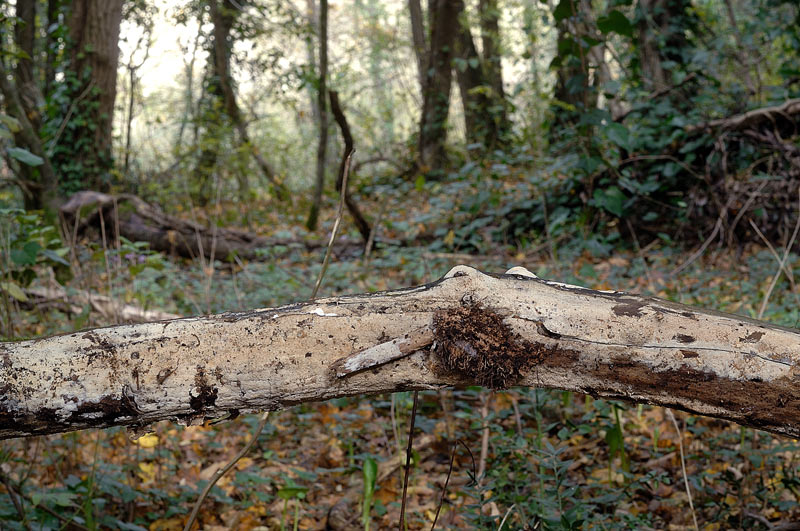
<point x="521" y="271"/>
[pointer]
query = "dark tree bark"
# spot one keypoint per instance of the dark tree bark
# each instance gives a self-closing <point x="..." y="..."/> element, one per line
<point x="472" y="84"/>
<point x="573" y="85"/>
<point x="352" y="207"/>
<point x="29" y="99"/>
<point x="492" y="60"/>
<point x="418" y="38"/>
<point x="25" y="37"/>
<point x="661" y="38"/>
<point x="322" y="107"/>
<point x="93" y="58"/>
<point x="43" y="192"/>
<point x="221" y="88"/>
<point x="484" y="108"/>
<point x="51" y="44"/>
<point x="438" y="78"/>
<point x="223" y="20"/>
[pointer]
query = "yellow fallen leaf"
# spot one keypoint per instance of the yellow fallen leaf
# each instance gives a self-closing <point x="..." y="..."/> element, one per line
<point x="147" y="472"/>
<point x="148" y="441"/>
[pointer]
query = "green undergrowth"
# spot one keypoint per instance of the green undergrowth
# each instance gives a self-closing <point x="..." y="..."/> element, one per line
<point x="553" y="460"/>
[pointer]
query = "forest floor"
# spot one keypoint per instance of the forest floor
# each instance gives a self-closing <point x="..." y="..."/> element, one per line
<point x="523" y="457"/>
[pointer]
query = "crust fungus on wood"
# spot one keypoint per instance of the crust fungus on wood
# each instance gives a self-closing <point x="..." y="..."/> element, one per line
<point x="468" y="328"/>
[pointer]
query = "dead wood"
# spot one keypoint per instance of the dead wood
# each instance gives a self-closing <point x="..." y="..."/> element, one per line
<point x="111" y="309"/>
<point x="785" y="112"/>
<point x="130" y="217"/>
<point x="465" y="328"/>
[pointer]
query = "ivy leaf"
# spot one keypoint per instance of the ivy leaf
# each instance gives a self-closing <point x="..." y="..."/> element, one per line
<point x="25" y="156"/>
<point x="611" y="199"/>
<point x="27" y="255"/>
<point x="10" y="122"/>
<point x="615" y="22"/>
<point x="564" y="9"/>
<point x="619" y="135"/>
<point x="14" y="290"/>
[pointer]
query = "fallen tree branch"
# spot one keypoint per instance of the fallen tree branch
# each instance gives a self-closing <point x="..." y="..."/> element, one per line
<point x="467" y="328"/>
<point x="134" y="219"/>
<point x="106" y="306"/>
<point x="787" y="111"/>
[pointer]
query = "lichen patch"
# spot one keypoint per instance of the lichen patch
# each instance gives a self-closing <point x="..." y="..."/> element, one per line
<point x="477" y="345"/>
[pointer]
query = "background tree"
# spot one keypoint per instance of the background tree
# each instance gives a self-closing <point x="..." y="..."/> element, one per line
<point x="321" y="109"/>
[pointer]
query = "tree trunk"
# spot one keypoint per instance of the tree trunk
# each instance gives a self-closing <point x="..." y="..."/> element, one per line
<point x="438" y="78"/>
<point x="492" y="60"/>
<point x="25" y="37"/>
<point x="42" y="192"/>
<point x="322" y="107"/>
<point x="480" y="105"/>
<point x="467" y="328"/>
<point x="51" y="44"/>
<point x="93" y="58"/>
<point x="223" y="20"/>
<point x="358" y="218"/>
<point x="30" y="101"/>
<point x="418" y="39"/>
<point x="573" y="86"/>
<point x="661" y="38"/>
<point x="311" y="57"/>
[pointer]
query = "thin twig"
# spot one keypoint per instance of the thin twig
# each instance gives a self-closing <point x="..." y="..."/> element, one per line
<point x="446" y="481"/>
<point x="777" y="275"/>
<point x="42" y="506"/>
<point x="408" y="461"/>
<point x="697" y="254"/>
<point x="336" y="224"/>
<point x="508" y="512"/>
<point x="375" y="226"/>
<point x="485" y="398"/>
<point x="774" y="253"/>
<point x="651" y="285"/>
<point x="12" y="493"/>
<point x="683" y="465"/>
<point x="222" y="471"/>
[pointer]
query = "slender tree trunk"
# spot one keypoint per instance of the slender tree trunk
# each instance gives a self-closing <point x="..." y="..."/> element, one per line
<point x="51" y="44"/>
<point x="29" y="96"/>
<point x="467" y="328"/>
<point x="358" y="218"/>
<point x="188" y="109"/>
<point x="322" y="106"/>
<point x="492" y="60"/>
<point x="313" y="18"/>
<point x="741" y="52"/>
<point x="438" y="78"/>
<point x="223" y="20"/>
<point x="472" y="85"/>
<point x="661" y="38"/>
<point x="25" y="37"/>
<point x="132" y="87"/>
<point x="418" y="38"/>
<point x="484" y="110"/>
<point x="573" y="90"/>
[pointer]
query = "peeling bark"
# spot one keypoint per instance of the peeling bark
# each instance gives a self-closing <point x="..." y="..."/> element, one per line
<point x="466" y="328"/>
